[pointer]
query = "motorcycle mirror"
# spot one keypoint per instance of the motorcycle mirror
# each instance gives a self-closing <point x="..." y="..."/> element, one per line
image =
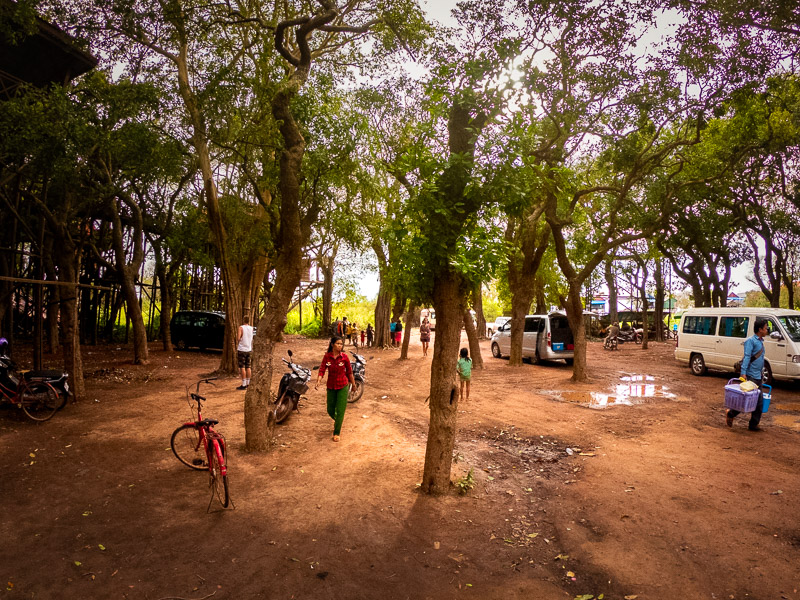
<point x="290" y="353"/>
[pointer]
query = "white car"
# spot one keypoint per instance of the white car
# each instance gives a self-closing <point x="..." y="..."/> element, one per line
<point x="498" y="323"/>
<point x="545" y="337"/>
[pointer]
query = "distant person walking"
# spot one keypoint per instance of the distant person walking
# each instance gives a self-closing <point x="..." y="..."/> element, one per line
<point x="752" y="365"/>
<point x="392" y="330"/>
<point x="398" y="332"/>
<point x="464" y="372"/>
<point x="370" y="334"/>
<point x="340" y="378"/>
<point x="363" y="337"/>
<point x="244" y="351"/>
<point x="425" y="335"/>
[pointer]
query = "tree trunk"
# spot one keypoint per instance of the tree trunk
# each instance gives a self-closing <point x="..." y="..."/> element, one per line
<point x="128" y="271"/>
<point x="477" y="306"/>
<point x="292" y="236"/>
<point x="472" y="340"/>
<point x="573" y="305"/>
<point x="643" y="295"/>
<point x="520" y="304"/>
<point x="383" y="309"/>
<point x="444" y="386"/>
<point x="523" y="265"/>
<point x="611" y="283"/>
<point x="409" y="320"/>
<point x="68" y="260"/>
<point x="658" y="316"/>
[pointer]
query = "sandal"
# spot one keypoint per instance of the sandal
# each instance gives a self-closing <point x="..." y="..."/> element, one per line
<point x="335" y="438"/>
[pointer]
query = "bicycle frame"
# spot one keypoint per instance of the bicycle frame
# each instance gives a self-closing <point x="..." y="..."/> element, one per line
<point x="213" y="444"/>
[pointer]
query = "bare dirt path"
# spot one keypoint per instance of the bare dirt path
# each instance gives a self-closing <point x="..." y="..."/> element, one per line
<point x="659" y="500"/>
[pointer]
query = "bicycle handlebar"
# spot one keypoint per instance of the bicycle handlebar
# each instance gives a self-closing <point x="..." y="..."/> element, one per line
<point x="208" y="381"/>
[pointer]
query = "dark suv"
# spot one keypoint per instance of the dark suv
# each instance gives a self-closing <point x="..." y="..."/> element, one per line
<point x="198" y="328"/>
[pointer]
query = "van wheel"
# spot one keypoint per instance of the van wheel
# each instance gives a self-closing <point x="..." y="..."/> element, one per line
<point x="569" y="361"/>
<point x="766" y="374"/>
<point x="496" y="350"/>
<point x="697" y="364"/>
<point x="181" y="345"/>
<point x="535" y="359"/>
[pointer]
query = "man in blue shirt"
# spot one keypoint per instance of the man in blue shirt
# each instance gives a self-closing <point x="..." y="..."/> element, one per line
<point x="752" y="365"/>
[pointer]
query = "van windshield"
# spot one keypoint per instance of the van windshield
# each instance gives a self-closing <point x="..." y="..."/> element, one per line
<point x="792" y="327"/>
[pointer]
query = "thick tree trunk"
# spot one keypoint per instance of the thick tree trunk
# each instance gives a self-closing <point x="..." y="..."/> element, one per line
<point x="574" y="308"/>
<point x="293" y="234"/>
<point x="520" y="304"/>
<point x="472" y="340"/>
<point x="383" y="309"/>
<point x="444" y="387"/>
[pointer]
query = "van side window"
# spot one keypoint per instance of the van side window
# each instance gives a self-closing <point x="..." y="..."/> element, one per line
<point x="531" y="325"/>
<point x="700" y="325"/>
<point x="771" y="325"/>
<point x="733" y="326"/>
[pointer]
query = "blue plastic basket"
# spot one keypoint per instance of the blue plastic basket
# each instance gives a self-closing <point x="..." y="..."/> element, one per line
<point x="736" y="399"/>
<point x="767" y="395"/>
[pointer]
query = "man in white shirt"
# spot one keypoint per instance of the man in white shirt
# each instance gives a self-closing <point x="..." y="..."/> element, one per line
<point x="245" y="350"/>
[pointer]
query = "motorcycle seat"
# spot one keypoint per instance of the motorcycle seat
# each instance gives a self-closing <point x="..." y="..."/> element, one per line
<point x="43" y="374"/>
<point x="208" y="422"/>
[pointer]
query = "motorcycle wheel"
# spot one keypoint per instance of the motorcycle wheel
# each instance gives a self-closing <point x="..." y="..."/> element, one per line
<point x="283" y="409"/>
<point x="356" y="391"/>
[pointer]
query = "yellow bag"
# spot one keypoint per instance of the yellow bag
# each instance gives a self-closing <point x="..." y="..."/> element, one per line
<point x="748" y="386"/>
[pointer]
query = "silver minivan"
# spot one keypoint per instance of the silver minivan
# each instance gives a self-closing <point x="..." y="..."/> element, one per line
<point x="546" y="337"/>
<point x="713" y="338"/>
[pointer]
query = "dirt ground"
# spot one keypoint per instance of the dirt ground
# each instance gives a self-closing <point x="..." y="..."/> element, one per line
<point x="653" y="500"/>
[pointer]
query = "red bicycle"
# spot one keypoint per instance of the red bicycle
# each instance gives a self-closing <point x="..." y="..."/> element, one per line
<point x="197" y="445"/>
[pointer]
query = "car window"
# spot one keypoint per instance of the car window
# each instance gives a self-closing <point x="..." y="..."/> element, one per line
<point x="733" y="326"/>
<point x="179" y="319"/>
<point x="531" y="324"/>
<point x="700" y="325"/>
<point x="772" y="325"/>
<point x="792" y="327"/>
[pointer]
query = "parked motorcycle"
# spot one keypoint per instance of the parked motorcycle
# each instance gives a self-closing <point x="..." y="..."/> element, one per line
<point x="359" y="373"/>
<point x="630" y="335"/>
<point x="10" y="376"/>
<point x="292" y="385"/>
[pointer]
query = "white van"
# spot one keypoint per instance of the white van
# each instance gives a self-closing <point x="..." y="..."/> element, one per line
<point x="546" y="337"/>
<point x="713" y="338"/>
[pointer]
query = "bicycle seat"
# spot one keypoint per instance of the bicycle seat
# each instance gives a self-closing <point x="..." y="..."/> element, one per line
<point x="208" y="422"/>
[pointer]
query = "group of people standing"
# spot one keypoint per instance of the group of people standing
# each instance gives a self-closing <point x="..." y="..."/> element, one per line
<point x="350" y="332"/>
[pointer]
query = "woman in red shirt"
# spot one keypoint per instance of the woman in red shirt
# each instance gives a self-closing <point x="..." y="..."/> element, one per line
<point x="337" y="365"/>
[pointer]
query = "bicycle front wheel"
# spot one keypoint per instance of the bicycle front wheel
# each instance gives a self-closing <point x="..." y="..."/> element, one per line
<point x="218" y="481"/>
<point x="40" y="401"/>
<point x="188" y="447"/>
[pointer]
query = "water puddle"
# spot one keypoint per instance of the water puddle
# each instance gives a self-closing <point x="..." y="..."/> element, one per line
<point x="786" y="414"/>
<point x="634" y="389"/>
